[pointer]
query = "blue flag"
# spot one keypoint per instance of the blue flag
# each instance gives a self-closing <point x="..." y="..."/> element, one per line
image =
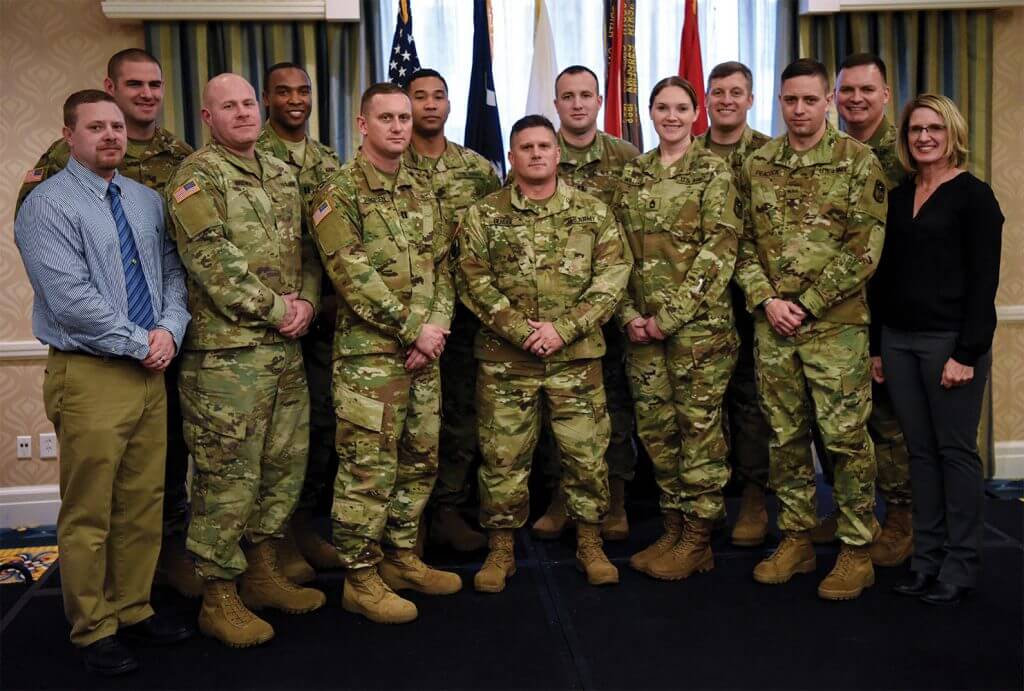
<point x="483" y="128"/>
<point x="403" y="61"/>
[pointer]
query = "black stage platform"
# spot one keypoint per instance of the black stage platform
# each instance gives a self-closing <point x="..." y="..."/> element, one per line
<point x="550" y="630"/>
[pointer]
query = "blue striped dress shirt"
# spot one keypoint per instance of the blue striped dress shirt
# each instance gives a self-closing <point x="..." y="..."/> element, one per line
<point x="68" y="241"/>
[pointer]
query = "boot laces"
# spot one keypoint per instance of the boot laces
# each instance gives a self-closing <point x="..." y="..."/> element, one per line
<point x="499" y="555"/>
<point x="787" y="544"/>
<point x="234" y="609"/>
<point x="844" y="563"/>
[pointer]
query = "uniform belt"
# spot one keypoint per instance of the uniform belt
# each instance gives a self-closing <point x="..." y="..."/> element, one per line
<point x="105" y="358"/>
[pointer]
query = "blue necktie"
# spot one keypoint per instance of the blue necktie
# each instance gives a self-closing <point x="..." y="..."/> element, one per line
<point x="140" y="304"/>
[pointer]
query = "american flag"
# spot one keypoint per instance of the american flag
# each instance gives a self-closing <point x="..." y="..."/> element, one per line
<point x="403" y="61"/>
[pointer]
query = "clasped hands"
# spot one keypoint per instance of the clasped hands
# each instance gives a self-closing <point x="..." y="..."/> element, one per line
<point x="428" y="347"/>
<point x="543" y="341"/>
<point x="161" y="350"/>
<point x="644" y="330"/>
<point x="297" y="317"/>
<point x="785" y="316"/>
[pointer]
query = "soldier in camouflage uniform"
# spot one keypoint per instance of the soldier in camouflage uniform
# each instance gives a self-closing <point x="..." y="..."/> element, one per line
<point x="678" y="208"/>
<point x="543" y="266"/>
<point x="591" y="161"/>
<point x="387" y="257"/>
<point x="458" y="177"/>
<point x="729" y="98"/>
<point x="813" y="234"/>
<point x="287" y="95"/>
<point x="253" y="285"/>
<point x="135" y="80"/>
<point x="861" y="97"/>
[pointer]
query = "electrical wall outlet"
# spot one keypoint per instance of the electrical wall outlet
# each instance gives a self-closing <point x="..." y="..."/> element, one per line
<point x="48" y="445"/>
<point x="25" y="448"/>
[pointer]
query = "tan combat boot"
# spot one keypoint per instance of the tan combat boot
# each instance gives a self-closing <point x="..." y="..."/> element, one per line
<point x="752" y="523"/>
<point x="318" y="552"/>
<point x="616" y="525"/>
<point x="291" y="562"/>
<point x="500" y="564"/>
<point x="223" y="616"/>
<point x="590" y="556"/>
<point x="176" y="568"/>
<point x="555" y="520"/>
<point x="366" y="594"/>
<point x="401" y="569"/>
<point x="795" y="554"/>
<point x="825" y="532"/>
<point x="672" y="522"/>
<point x="448" y="527"/>
<point x="896" y="541"/>
<point x="692" y="552"/>
<point x="852" y="573"/>
<point x="265" y="585"/>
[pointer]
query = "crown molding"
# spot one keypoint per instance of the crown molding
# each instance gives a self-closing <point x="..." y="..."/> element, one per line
<point x="232" y="10"/>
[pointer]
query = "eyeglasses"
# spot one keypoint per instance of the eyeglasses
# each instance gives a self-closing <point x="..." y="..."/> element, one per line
<point x="918" y="130"/>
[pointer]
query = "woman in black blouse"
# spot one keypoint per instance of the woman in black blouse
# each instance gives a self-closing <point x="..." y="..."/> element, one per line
<point x="933" y="307"/>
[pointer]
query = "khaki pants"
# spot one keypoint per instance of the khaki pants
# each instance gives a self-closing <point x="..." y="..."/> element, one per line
<point x="111" y="421"/>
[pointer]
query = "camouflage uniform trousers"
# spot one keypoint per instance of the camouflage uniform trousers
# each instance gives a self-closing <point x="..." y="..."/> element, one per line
<point x="679" y="386"/>
<point x="510" y="396"/>
<point x="316" y="354"/>
<point x="246" y="414"/>
<point x="621" y="454"/>
<point x="458" y="411"/>
<point x="820" y="376"/>
<point x="387" y="441"/>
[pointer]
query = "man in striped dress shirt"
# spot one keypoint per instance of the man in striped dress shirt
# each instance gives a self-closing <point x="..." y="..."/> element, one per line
<point x="110" y="302"/>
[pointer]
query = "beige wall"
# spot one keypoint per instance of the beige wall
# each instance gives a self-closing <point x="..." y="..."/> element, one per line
<point x="37" y="74"/>
<point x="48" y="48"/>
<point x="1007" y="178"/>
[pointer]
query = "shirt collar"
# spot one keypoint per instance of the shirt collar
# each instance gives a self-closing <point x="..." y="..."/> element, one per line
<point x="93" y="182"/>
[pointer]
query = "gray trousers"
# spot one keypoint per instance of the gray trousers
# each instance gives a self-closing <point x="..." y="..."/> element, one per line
<point x="941" y="430"/>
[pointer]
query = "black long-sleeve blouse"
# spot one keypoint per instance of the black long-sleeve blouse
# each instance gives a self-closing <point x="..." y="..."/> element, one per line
<point x="939" y="270"/>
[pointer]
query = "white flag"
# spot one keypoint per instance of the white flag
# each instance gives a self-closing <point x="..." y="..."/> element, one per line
<point x="541" y="95"/>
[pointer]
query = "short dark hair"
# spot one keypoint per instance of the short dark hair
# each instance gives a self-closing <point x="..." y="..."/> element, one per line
<point x="282" y="66"/>
<point x="528" y="121"/>
<point x="805" y="67"/>
<point x="673" y="81"/>
<point x="128" y="55"/>
<point x="576" y="69"/>
<point x="861" y="59"/>
<point x="727" y="69"/>
<point x="379" y="89"/>
<point x="81" y="97"/>
<point x="423" y="73"/>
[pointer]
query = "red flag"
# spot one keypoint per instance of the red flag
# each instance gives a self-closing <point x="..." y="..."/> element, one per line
<point x="613" y="78"/>
<point x="690" y="67"/>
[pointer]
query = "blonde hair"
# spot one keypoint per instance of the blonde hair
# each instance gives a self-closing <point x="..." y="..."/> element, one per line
<point x="956" y="130"/>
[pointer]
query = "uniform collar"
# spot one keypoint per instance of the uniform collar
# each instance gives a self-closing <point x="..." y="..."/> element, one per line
<point x="650" y="163"/>
<point x="272" y="139"/>
<point x="744" y="141"/>
<point x="580" y="157"/>
<point x="450" y="158"/>
<point x="884" y="130"/>
<point x="270" y="167"/>
<point x="818" y="154"/>
<point x="560" y="201"/>
<point x="376" y="180"/>
<point x="93" y="182"/>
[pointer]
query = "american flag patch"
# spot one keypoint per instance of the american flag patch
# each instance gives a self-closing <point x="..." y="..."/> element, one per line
<point x="322" y="212"/>
<point x="185" y="191"/>
<point x="34" y="175"/>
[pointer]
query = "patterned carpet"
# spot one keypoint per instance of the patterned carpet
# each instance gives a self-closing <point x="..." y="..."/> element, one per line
<point x="35" y="559"/>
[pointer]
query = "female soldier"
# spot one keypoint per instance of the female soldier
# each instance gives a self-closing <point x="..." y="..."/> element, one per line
<point x="677" y="205"/>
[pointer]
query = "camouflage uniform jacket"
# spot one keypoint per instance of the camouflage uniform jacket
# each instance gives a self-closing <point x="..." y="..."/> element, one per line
<point x="814" y="226"/>
<point x="240" y="237"/>
<point x="562" y="261"/>
<point x="883" y="144"/>
<point x="596" y="170"/>
<point x="682" y="224"/>
<point x="151" y="163"/>
<point x="459" y="179"/>
<point x="385" y="255"/>
<point x="751" y="141"/>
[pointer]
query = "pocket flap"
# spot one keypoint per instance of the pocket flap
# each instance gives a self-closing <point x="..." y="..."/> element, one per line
<point x="358" y="409"/>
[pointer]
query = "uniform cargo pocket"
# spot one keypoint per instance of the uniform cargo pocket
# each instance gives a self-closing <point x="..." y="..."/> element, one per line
<point x="360" y="410"/>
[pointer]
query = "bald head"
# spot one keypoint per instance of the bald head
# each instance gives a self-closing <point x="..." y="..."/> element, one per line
<point x="232" y="113"/>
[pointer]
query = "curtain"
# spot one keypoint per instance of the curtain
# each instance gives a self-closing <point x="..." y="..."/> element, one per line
<point x="342" y="59"/>
<point x="946" y="52"/>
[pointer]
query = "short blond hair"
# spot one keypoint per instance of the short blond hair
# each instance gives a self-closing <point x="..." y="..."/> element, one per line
<point x="956" y="130"/>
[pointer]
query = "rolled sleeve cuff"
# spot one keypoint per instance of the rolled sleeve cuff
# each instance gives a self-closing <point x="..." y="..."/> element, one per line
<point x="813" y="302"/>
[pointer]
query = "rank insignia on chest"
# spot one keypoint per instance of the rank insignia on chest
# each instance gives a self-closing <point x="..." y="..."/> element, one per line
<point x="879" y="191"/>
<point x="322" y="212"/>
<point x="34" y="175"/>
<point x="185" y="191"/>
